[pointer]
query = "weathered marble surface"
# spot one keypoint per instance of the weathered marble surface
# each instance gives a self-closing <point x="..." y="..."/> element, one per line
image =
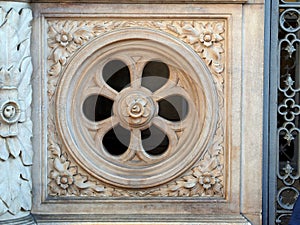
<point x="87" y="29"/>
<point x="15" y="101"/>
<point x="238" y="165"/>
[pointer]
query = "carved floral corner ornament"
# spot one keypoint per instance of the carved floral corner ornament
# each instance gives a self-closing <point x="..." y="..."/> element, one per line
<point x="15" y="100"/>
<point x="202" y="181"/>
<point x="66" y="179"/>
<point x="205" y="178"/>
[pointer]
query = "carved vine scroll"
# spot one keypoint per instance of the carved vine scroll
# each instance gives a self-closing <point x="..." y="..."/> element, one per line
<point x="15" y="99"/>
<point x="206" y="177"/>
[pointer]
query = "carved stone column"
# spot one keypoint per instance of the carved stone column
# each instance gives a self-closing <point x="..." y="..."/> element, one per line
<point x="15" y="123"/>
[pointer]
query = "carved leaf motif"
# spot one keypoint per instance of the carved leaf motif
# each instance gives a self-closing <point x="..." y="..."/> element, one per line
<point x="82" y="35"/>
<point x="2" y="16"/>
<point x="3" y="208"/>
<point x="16" y="150"/>
<point x="25" y="135"/>
<point x="11" y="191"/>
<point x="64" y="39"/>
<point x="65" y="179"/>
<point x="25" y="17"/>
<point x="13" y="146"/>
<point x="24" y="195"/>
<point x="208" y="164"/>
<point x="203" y="181"/>
<point x="80" y="32"/>
<point x="8" y="184"/>
<point x="190" y="183"/>
<point x="4" y="154"/>
<point x="26" y="198"/>
<point x="217" y="147"/>
<point x="189" y="30"/>
<point x="24" y="87"/>
<point x="54" y="70"/>
<point x="13" y="27"/>
<point x="9" y="41"/>
<point x="219" y="28"/>
<point x="174" y="28"/>
<point x="82" y="182"/>
<point x="206" y="38"/>
<point x="53" y="150"/>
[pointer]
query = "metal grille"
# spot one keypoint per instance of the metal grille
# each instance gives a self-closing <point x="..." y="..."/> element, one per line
<point x="288" y="110"/>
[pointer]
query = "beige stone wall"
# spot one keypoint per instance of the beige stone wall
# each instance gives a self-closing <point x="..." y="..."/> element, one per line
<point x="212" y="170"/>
<point x="252" y="109"/>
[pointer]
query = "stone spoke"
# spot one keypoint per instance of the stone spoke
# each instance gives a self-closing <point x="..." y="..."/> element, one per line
<point x="164" y="125"/>
<point x="102" y="127"/>
<point x="103" y="89"/>
<point x="135" y="146"/>
<point x="136" y="75"/>
<point x="174" y="90"/>
<point x="172" y="81"/>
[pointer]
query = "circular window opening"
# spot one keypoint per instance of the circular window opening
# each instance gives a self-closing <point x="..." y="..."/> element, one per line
<point x="146" y="114"/>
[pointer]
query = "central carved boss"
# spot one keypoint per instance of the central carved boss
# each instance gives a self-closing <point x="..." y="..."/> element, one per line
<point x="135" y="108"/>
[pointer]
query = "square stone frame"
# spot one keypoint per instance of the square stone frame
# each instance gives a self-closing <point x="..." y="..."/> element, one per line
<point x="233" y="207"/>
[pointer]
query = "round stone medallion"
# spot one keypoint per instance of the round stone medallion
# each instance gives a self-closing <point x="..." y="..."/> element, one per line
<point x="136" y="108"/>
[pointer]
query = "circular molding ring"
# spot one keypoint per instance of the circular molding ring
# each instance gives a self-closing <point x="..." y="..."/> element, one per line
<point x="195" y="84"/>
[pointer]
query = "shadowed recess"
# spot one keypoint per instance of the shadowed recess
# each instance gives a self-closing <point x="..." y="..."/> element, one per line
<point x="116" y="141"/>
<point x="173" y="108"/>
<point x="116" y="74"/>
<point x="155" y="75"/>
<point x="97" y="108"/>
<point x="154" y="141"/>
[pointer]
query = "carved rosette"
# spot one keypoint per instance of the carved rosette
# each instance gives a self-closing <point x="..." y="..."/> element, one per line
<point x="139" y="109"/>
<point x="15" y="123"/>
<point x="206" y="177"/>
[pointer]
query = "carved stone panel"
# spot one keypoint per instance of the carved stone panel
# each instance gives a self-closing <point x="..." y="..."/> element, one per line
<point x="195" y="161"/>
<point x="15" y="123"/>
<point x="138" y="113"/>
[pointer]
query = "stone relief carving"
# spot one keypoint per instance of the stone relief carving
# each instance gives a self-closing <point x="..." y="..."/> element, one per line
<point x="15" y="99"/>
<point x="205" y="178"/>
<point x="66" y="179"/>
<point x="65" y="37"/>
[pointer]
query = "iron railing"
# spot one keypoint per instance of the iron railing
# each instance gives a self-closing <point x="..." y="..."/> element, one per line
<point x="287" y="139"/>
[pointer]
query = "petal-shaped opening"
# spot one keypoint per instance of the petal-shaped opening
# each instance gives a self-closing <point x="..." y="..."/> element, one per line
<point x="97" y="108"/>
<point x="116" y="141"/>
<point x="155" y="75"/>
<point x="173" y="108"/>
<point x="116" y="74"/>
<point x="155" y="142"/>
